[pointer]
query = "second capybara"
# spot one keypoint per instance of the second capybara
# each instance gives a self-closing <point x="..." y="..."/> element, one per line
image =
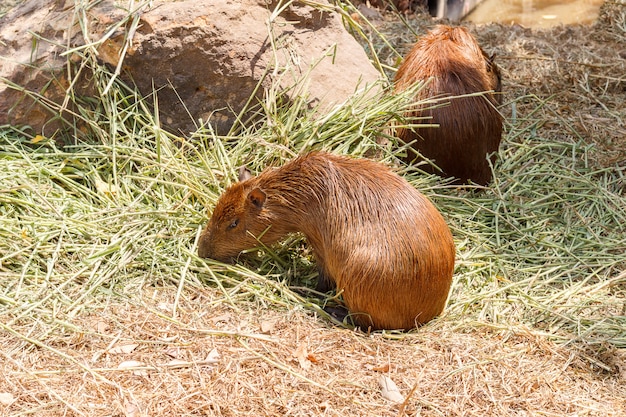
<point x="377" y="239"/>
<point x="469" y="128"/>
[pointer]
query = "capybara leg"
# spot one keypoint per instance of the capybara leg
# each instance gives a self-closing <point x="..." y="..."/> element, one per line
<point x="324" y="282"/>
<point x="339" y="313"/>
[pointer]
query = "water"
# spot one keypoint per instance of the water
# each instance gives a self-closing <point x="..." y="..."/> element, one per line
<point x="536" y="13"/>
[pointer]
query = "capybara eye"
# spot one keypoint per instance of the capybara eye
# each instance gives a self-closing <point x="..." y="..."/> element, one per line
<point x="233" y="224"/>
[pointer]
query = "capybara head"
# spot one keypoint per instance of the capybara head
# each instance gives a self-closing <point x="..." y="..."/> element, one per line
<point x="227" y="233"/>
<point x="242" y="218"/>
<point x="495" y="78"/>
<point x="469" y="128"/>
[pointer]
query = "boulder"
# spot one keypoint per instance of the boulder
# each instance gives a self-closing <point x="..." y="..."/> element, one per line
<point x="205" y="59"/>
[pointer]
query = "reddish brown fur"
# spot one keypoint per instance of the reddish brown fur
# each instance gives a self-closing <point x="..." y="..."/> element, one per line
<point x="377" y="238"/>
<point x="469" y="127"/>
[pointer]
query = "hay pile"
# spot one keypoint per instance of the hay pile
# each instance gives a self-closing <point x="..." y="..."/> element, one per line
<point x="106" y="310"/>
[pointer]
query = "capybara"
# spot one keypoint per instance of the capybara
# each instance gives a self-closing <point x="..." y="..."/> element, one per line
<point x="469" y="128"/>
<point x="374" y="236"/>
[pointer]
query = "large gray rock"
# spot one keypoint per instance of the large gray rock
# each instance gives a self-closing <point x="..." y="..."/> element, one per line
<point x="31" y="70"/>
<point x="205" y="58"/>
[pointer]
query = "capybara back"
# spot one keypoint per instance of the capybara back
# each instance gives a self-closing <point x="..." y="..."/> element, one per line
<point x="469" y="128"/>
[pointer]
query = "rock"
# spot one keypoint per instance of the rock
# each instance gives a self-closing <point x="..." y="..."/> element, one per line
<point x="30" y="66"/>
<point x="208" y="55"/>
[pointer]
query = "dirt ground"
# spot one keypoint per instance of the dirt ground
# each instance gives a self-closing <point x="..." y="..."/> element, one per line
<point x="125" y="355"/>
<point x="256" y="361"/>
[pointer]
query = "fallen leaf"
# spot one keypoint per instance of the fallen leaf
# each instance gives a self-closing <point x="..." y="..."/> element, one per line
<point x="6" y="398"/>
<point x="311" y="357"/>
<point x="267" y="326"/>
<point x="131" y="409"/>
<point x="301" y="355"/>
<point x="123" y="348"/>
<point x="172" y="351"/>
<point x="37" y="139"/>
<point x="384" y="368"/>
<point x="131" y="365"/>
<point x="389" y="389"/>
<point x="102" y="327"/>
<point x="213" y="356"/>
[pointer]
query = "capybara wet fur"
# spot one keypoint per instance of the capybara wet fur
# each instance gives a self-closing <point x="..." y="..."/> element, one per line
<point x="375" y="237"/>
<point x="470" y="128"/>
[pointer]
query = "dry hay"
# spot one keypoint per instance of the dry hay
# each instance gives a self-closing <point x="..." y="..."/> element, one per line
<point x="267" y="362"/>
<point x="105" y="309"/>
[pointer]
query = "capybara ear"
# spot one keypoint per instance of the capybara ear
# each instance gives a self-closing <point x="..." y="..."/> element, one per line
<point x="257" y="198"/>
<point x="244" y="174"/>
<point x="491" y="62"/>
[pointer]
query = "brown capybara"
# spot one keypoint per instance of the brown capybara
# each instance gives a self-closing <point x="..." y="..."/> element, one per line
<point x="469" y="128"/>
<point x="373" y="235"/>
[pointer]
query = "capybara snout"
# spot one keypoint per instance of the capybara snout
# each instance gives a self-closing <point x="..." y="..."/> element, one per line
<point x="236" y="223"/>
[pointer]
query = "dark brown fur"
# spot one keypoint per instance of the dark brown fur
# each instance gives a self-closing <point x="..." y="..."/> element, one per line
<point x="469" y="127"/>
<point x="377" y="238"/>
